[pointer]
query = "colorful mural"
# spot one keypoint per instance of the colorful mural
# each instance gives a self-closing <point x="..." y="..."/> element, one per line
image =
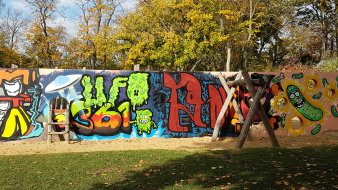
<point x="126" y="104"/>
<point x="19" y="101"/>
<point x="307" y="97"/>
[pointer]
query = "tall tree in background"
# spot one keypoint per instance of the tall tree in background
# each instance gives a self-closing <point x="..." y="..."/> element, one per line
<point x="14" y="22"/>
<point x="181" y="35"/>
<point x="321" y="16"/>
<point x="97" y="23"/>
<point x="42" y="42"/>
<point x="7" y="55"/>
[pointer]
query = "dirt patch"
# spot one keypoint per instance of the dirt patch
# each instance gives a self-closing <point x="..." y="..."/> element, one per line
<point x="190" y="144"/>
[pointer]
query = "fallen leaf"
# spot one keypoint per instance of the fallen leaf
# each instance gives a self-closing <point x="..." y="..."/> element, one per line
<point x="278" y="182"/>
<point x="203" y="179"/>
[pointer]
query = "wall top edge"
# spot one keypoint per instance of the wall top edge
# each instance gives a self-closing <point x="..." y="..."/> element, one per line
<point x="116" y="71"/>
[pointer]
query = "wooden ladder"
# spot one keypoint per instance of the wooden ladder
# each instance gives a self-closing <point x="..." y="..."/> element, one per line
<point x="58" y="106"/>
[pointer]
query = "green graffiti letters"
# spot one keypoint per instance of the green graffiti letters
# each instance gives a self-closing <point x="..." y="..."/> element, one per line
<point x="87" y="90"/>
<point x="100" y="96"/>
<point x="118" y="82"/>
<point x="136" y="84"/>
<point x="138" y="89"/>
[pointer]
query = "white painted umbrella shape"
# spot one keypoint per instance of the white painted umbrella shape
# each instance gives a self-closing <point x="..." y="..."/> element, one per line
<point x="62" y="82"/>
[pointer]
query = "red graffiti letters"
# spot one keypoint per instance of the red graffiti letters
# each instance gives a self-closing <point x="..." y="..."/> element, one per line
<point x="193" y="97"/>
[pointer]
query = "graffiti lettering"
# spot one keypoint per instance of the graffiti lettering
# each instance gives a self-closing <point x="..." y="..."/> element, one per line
<point x="193" y="97"/>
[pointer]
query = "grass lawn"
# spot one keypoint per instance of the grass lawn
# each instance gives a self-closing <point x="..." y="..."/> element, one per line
<point x="261" y="168"/>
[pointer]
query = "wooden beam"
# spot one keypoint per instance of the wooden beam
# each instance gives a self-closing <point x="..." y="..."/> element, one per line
<point x="261" y="112"/>
<point x="245" y="128"/>
<point x="223" y="110"/>
<point x="234" y="102"/>
<point x="256" y="82"/>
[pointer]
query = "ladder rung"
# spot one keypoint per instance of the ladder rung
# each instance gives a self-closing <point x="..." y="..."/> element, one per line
<point x="57" y="133"/>
<point x="63" y="110"/>
<point x="60" y="123"/>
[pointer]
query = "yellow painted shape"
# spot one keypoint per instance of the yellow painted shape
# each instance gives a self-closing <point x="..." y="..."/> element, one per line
<point x="59" y="118"/>
<point x="13" y="125"/>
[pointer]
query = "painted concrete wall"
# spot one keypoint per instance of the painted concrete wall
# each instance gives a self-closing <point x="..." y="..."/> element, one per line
<point x="127" y="104"/>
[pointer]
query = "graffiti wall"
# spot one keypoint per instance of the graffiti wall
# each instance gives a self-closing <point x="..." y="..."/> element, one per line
<point x="125" y="104"/>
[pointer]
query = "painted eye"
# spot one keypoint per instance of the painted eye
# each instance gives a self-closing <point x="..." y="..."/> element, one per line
<point x="297" y="94"/>
<point x="145" y="116"/>
<point x="292" y="96"/>
<point x="141" y="116"/>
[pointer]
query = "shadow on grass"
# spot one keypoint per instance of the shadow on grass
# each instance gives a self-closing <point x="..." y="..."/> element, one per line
<point x="263" y="168"/>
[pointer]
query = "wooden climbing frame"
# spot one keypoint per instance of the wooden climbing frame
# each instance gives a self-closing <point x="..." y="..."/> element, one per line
<point x="230" y="88"/>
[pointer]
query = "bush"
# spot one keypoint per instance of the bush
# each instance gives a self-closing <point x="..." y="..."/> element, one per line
<point x="330" y="65"/>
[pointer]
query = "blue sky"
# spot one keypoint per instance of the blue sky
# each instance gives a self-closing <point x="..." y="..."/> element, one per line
<point x="69" y="12"/>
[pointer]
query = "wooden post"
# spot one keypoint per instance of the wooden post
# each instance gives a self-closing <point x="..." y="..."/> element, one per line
<point x="137" y="67"/>
<point x="223" y="110"/>
<point x="249" y="117"/>
<point x="49" y="127"/>
<point x="261" y="112"/>
<point x="67" y="126"/>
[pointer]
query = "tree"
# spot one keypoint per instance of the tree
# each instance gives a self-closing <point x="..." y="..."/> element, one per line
<point x="40" y="35"/>
<point x="46" y="50"/>
<point x="322" y="17"/>
<point x="180" y="35"/>
<point x="13" y="22"/>
<point x="96" y="26"/>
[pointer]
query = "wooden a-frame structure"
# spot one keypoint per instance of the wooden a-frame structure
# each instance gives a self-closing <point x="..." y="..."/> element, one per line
<point x="230" y="88"/>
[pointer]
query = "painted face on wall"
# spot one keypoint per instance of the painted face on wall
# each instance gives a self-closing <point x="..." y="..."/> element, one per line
<point x="13" y="88"/>
<point x="295" y="96"/>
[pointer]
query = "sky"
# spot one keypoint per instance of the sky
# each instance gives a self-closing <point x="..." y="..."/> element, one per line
<point x="69" y="12"/>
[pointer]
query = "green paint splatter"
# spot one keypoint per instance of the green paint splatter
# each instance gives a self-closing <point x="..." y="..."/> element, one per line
<point x="317" y="96"/>
<point x="278" y="79"/>
<point x="334" y="111"/>
<point x="316" y="130"/>
<point x="325" y="82"/>
<point x="298" y="76"/>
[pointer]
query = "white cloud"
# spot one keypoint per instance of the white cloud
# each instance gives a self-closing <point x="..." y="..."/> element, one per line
<point x="70" y="25"/>
<point x="20" y="5"/>
<point x="129" y="4"/>
<point x="67" y="3"/>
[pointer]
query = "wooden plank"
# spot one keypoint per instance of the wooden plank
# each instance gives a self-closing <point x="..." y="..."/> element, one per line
<point x="223" y="110"/>
<point x="245" y="128"/>
<point x="67" y="138"/>
<point x="57" y="133"/>
<point x="262" y="113"/>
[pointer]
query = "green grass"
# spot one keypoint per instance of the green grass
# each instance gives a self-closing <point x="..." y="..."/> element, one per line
<point x="263" y="168"/>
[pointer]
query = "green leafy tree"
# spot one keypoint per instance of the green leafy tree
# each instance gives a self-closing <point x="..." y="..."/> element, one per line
<point x="96" y="27"/>
<point x="181" y="35"/>
<point x="44" y="40"/>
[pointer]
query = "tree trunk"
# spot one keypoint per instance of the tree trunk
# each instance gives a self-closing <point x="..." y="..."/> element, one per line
<point x="228" y="57"/>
